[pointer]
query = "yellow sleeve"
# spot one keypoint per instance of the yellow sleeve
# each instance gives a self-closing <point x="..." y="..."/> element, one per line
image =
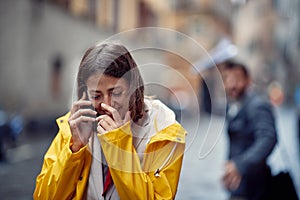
<point x="132" y="181"/>
<point x="61" y="170"/>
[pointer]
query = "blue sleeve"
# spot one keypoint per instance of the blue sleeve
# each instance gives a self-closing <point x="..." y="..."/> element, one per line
<point x="263" y="124"/>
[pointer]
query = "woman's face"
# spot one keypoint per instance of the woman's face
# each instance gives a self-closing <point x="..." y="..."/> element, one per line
<point x="109" y="90"/>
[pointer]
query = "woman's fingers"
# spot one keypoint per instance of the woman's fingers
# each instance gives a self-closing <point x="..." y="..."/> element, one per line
<point x="112" y="120"/>
<point x="81" y="121"/>
<point x="100" y="129"/>
<point x="79" y="104"/>
<point x="74" y="124"/>
<point x="106" y="122"/>
<point x="115" y="114"/>
<point x="84" y="112"/>
<point x="84" y="119"/>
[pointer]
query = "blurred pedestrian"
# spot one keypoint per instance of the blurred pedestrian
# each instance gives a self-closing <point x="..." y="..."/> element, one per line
<point x="252" y="135"/>
<point x="114" y="143"/>
<point x="57" y="64"/>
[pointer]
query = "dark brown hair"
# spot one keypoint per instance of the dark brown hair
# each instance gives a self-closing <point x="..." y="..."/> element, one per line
<point x="230" y="64"/>
<point x="113" y="60"/>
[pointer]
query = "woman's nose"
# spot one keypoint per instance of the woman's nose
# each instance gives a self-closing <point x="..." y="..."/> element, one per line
<point x="107" y="100"/>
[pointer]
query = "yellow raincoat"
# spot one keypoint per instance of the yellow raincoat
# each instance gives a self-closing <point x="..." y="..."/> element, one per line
<point x="64" y="174"/>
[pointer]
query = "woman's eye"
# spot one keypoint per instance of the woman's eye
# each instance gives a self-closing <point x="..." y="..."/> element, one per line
<point x="117" y="93"/>
<point x="95" y="97"/>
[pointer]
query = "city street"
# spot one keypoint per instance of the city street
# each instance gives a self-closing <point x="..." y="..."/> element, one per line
<point x="206" y="148"/>
<point x="201" y="172"/>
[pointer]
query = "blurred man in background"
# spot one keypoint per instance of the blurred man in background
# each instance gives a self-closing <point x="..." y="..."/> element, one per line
<point x="252" y="136"/>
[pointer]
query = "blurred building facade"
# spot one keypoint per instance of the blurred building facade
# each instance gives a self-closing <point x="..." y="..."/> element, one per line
<point x="266" y="33"/>
<point x="204" y="21"/>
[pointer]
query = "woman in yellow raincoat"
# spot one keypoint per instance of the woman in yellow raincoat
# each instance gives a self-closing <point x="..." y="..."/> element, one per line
<point x="114" y="143"/>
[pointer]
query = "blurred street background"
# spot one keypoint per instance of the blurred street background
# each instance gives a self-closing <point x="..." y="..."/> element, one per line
<point x="42" y="42"/>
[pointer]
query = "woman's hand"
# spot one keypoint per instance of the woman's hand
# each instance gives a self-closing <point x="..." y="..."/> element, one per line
<point x="81" y="122"/>
<point x="112" y="120"/>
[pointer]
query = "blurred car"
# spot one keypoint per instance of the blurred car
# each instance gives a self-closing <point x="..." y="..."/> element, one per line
<point x="10" y="128"/>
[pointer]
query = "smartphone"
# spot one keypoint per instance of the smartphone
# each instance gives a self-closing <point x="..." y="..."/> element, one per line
<point x="88" y="115"/>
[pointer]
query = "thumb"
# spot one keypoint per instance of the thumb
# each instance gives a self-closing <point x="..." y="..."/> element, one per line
<point x="127" y="117"/>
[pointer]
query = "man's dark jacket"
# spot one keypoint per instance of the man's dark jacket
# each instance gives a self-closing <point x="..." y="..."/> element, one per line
<point x="252" y="135"/>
